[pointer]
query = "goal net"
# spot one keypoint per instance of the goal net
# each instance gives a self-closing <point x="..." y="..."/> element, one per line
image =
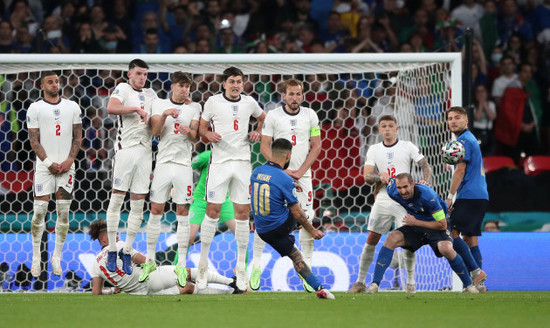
<point x="349" y="92"/>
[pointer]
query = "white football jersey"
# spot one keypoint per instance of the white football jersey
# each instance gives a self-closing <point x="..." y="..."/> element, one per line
<point x="230" y="119"/>
<point x="55" y="124"/>
<point x="127" y="282"/>
<point x="131" y="130"/>
<point x="173" y="146"/>
<point x="394" y="159"/>
<point x="296" y="128"/>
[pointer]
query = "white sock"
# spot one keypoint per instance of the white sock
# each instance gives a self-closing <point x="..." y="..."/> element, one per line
<point x="211" y="291"/>
<point x="182" y="235"/>
<point x="307" y="246"/>
<point x="153" y="233"/>
<point x="367" y="255"/>
<point x="113" y="219"/>
<point x="410" y="260"/>
<point x="135" y="218"/>
<point x="208" y="230"/>
<point x="211" y="277"/>
<point x="61" y="225"/>
<point x="37" y="225"/>
<point x="242" y="236"/>
<point x="258" y="249"/>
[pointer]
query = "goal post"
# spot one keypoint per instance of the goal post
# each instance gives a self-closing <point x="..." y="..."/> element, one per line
<point x="348" y="92"/>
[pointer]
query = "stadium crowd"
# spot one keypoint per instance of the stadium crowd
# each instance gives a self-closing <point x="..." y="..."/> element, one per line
<point x="511" y="57"/>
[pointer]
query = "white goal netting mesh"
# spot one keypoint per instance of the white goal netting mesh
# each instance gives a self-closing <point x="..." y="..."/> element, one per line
<point x="349" y="94"/>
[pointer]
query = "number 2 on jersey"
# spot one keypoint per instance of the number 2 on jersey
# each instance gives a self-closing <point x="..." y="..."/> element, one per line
<point x="57" y="130"/>
<point x="261" y="199"/>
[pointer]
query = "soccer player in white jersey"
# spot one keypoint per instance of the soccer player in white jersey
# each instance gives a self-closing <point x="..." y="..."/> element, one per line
<point x="176" y="123"/>
<point x="132" y="163"/>
<point x="55" y="134"/>
<point x="389" y="158"/>
<point x="299" y="125"/>
<point x="162" y="281"/>
<point x="229" y="115"/>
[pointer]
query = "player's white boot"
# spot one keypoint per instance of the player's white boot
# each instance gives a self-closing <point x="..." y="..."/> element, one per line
<point x="410" y="289"/>
<point x="56" y="266"/>
<point x="242" y="282"/>
<point x="357" y="287"/>
<point x="470" y="290"/>
<point x="325" y="294"/>
<point x="201" y="280"/>
<point x="35" y="268"/>
<point x="478" y="279"/>
<point x="373" y="288"/>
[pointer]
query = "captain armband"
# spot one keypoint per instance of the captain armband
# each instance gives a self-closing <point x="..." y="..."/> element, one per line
<point x="439" y="215"/>
<point x="315" y="132"/>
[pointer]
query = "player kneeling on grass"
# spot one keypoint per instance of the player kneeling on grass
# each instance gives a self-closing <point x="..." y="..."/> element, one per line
<point x="162" y="281"/>
<point x="424" y="224"/>
<point x="275" y="207"/>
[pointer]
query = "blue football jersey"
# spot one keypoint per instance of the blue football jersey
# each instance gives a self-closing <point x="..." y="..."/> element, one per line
<point x="473" y="185"/>
<point x="423" y="205"/>
<point x="272" y="192"/>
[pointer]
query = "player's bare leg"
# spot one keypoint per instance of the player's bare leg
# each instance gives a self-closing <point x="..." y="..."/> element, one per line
<point x="242" y="236"/>
<point x="256" y="273"/>
<point x="135" y="218"/>
<point x="208" y="230"/>
<point x="305" y="272"/>
<point x="113" y="219"/>
<point x="182" y="235"/>
<point x="367" y="255"/>
<point x="63" y="205"/>
<point x="37" y="229"/>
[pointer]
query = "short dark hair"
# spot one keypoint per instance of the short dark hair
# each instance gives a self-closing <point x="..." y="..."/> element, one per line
<point x="404" y="175"/>
<point x="457" y="109"/>
<point x="181" y="77"/>
<point x="46" y="74"/>
<point x="281" y="145"/>
<point x="387" y="118"/>
<point x="137" y="63"/>
<point x="97" y="228"/>
<point x="232" y="71"/>
<point x="292" y="83"/>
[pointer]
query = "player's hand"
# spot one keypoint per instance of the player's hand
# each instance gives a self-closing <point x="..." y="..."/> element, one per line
<point x="384" y="177"/>
<point x="213" y="136"/>
<point x="449" y="203"/>
<point x="292" y="174"/>
<point x="54" y="168"/>
<point x="255" y="136"/>
<point x="409" y="220"/>
<point x="117" y="290"/>
<point x="317" y="234"/>
<point x="424" y="182"/>
<point x="184" y="130"/>
<point x="65" y="166"/>
<point x="298" y="187"/>
<point x="142" y="114"/>
<point x="171" y="112"/>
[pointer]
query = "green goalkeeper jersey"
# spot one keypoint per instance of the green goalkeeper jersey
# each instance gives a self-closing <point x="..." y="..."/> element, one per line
<point x="200" y="162"/>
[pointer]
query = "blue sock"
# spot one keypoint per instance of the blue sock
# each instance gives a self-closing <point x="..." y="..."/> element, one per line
<point x="313" y="281"/>
<point x="382" y="262"/>
<point x="457" y="264"/>
<point x="462" y="248"/>
<point x="476" y="253"/>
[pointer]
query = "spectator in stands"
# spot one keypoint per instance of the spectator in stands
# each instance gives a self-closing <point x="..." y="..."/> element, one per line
<point x="212" y="15"/>
<point x="306" y="35"/>
<point x="508" y="74"/>
<point x="540" y="17"/>
<point x="119" y="17"/>
<point x="416" y="42"/>
<point x="333" y="39"/>
<point x="180" y="49"/>
<point x="150" y="21"/>
<point x="468" y="14"/>
<point x="491" y="226"/>
<point x="484" y="115"/>
<point x="513" y="48"/>
<point x="446" y="36"/>
<point x="53" y="35"/>
<point x="86" y="42"/>
<point x="67" y="12"/>
<point x="420" y="26"/>
<point x="489" y="27"/>
<point x="21" y="15"/>
<point x="97" y="21"/>
<point x="179" y="23"/>
<point x="228" y="42"/>
<point x="493" y="66"/>
<point x="516" y="128"/>
<point x="202" y="47"/>
<point x="511" y="22"/>
<point x="24" y="42"/>
<point x="151" y="43"/>
<point x="6" y="36"/>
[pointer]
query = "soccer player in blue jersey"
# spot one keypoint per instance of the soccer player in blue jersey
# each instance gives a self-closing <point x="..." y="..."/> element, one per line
<point x="424" y="224"/>
<point x="275" y="209"/>
<point x="470" y="188"/>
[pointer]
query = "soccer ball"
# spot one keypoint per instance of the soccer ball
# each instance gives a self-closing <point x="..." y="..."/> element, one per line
<point x="453" y="152"/>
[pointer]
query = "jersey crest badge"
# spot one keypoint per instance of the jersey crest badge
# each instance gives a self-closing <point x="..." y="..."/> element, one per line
<point x="56" y="112"/>
<point x="235" y="109"/>
<point x="390" y="156"/>
<point x="293" y="123"/>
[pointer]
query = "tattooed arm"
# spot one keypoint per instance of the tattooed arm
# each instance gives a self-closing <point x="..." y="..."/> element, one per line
<point x="34" y="138"/>
<point x="426" y="169"/>
<point x="301" y="217"/>
<point x="75" y="148"/>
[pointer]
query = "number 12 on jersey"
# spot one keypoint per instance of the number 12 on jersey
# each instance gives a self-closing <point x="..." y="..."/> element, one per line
<point x="261" y="199"/>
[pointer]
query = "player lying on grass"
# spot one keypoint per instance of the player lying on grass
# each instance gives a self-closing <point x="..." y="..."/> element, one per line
<point x="276" y="209"/>
<point x="162" y="281"/>
<point x="424" y="224"/>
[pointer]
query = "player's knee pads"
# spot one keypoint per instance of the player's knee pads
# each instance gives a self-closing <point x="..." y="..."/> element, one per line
<point x="40" y="210"/>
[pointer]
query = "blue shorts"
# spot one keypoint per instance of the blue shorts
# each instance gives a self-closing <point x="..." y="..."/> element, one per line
<point x="416" y="237"/>
<point x="280" y="238"/>
<point x="467" y="216"/>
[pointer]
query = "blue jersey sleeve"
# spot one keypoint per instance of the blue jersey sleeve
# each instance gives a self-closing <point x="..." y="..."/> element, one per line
<point x="289" y="191"/>
<point x="467" y="147"/>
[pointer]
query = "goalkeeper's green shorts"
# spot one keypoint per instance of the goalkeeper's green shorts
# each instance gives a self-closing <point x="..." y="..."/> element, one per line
<point x="197" y="211"/>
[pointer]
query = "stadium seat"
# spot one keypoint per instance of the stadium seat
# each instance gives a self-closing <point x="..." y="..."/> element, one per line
<point x="533" y="165"/>
<point x="493" y="163"/>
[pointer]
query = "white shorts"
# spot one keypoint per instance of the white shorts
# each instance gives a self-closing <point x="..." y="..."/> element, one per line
<point x="305" y="197"/>
<point x="162" y="281"/>
<point x="383" y="214"/>
<point x="230" y="175"/>
<point x="168" y="175"/>
<point x="132" y="169"/>
<point x="45" y="183"/>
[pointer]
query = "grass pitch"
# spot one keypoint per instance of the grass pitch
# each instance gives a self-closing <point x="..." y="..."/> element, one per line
<point x="277" y="309"/>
